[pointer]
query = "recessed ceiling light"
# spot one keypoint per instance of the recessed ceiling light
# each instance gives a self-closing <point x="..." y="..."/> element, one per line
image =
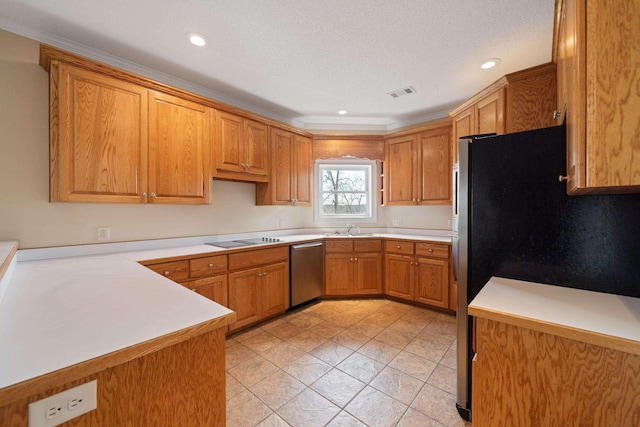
<point x="196" y="39"/>
<point x="342" y="112"/>
<point x="490" y="63"/>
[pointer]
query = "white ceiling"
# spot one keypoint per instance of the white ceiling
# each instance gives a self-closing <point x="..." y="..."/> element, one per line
<point x="300" y="61"/>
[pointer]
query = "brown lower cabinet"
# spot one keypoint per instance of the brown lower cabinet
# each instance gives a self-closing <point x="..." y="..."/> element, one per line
<point x="258" y="284"/>
<point x="353" y="267"/>
<point x="418" y="271"/>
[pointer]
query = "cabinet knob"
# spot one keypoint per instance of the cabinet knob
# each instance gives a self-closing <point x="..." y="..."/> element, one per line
<point x="293" y="202"/>
<point x="166" y="273"/>
<point x="562" y="178"/>
<point x="210" y="265"/>
<point x="153" y="195"/>
<point x="556" y="113"/>
<point x="398" y="247"/>
<point x="430" y="250"/>
<point x="355" y="259"/>
<point x="351" y="259"/>
<point x="144" y="194"/>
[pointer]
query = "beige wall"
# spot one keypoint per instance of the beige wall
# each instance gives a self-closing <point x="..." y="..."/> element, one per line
<point x="27" y="216"/>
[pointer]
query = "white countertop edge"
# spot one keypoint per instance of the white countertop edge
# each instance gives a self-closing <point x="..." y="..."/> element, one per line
<point x="607" y="314"/>
<point x="291" y="236"/>
<point x="4" y="283"/>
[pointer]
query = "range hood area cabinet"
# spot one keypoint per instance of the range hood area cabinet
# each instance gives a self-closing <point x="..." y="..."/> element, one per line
<point x="291" y="174"/>
<point x="418" y="166"/>
<point x="598" y="56"/>
<point x="240" y="148"/>
<point x="116" y="141"/>
<point x="519" y="101"/>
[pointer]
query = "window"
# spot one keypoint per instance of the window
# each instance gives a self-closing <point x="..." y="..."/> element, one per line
<point x="345" y="191"/>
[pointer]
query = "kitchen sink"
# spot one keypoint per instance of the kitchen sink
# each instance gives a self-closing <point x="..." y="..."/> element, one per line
<point x="348" y="235"/>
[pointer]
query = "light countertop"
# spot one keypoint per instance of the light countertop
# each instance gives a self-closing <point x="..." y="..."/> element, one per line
<point x="60" y="312"/>
<point x="61" y="308"/>
<point x="608" y="320"/>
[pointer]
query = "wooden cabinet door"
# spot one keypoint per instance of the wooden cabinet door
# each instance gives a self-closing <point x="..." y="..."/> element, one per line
<point x="490" y="113"/>
<point x="256" y="137"/>
<point x="434" y="173"/>
<point x="399" y="270"/>
<point x="214" y="288"/>
<point x="229" y="152"/>
<point x="367" y="273"/>
<point x="179" y="144"/>
<point x="302" y="170"/>
<point x="282" y="155"/>
<point x="338" y="273"/>
<point x="400" y="175"/>
<point x="275" y="289"/>
<point x="245" y="296"/>
<point x="464" y="124"/>
<point x="99" y="152"/>
<point x="432" y="282"/>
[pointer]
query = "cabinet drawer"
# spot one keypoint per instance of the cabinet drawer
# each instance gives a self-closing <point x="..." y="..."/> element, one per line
<point x="367" y="245"/>
<point x="432" y="250"/>
<point x="260" y="257"/>
<point x="203" y="267"/>
<point x="398" y="247"/>
<point x="338" y="245"/>
<point x="176" y="270"/>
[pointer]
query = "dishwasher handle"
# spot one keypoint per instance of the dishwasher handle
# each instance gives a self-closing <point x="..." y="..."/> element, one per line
<point x="307" y="245"/>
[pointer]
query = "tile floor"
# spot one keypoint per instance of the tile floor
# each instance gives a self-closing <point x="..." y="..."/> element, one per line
<point x="345" y="363"/>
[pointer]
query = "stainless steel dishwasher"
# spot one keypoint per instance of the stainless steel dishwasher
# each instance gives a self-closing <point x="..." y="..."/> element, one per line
<point x="307" y="272"/>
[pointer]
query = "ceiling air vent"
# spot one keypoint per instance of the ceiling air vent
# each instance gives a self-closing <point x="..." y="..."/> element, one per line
<point x="401" y="92"/>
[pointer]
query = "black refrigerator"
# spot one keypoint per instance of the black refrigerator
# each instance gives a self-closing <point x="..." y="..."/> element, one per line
<point x="514" y="219"/>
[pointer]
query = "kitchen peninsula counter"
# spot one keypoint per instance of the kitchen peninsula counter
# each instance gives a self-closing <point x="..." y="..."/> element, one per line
<point x="549" y="355"/>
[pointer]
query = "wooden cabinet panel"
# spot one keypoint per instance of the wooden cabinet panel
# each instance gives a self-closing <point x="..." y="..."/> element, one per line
<point x="432" y="250"/>
<point x="464" y="124"/>
<point x="418" y="168"/>
<point x="176" y="270"/>
<point x="207" y="266"/>
<point x="282" y="153"/>
<point x="338" y="273"/>
<point x="367" y="245"/>
<point x="398" y="247"/>
<point x="490" y="113"/>
<point x="432" y="282"/>
<point x="368" y="273"/>
<point x="256" y="136"/>
<point x="339" y="245"/>
<point x="275" y="289"/>
<point x="528" y="378"/>
<point x="245" y="294"/>
<point x="303" y="170"/>
<point x="400" y="176"/>
<point x="435" y="168"/>
<point x="214" y="288"/>
<point x="597" y="83"/>
<point x="99" y="139"/>
<point x="399" y="280"/>
<point x="179" y="144"/>
<point x="258" y="257"/>
<point x="241" y="148"/>
<point x="291" y="171"/>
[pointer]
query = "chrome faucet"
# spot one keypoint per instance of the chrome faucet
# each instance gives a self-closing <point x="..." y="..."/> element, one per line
<point x="349" y="227"/>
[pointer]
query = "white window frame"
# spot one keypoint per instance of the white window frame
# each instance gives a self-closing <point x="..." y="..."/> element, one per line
<point x="371" y="168"/>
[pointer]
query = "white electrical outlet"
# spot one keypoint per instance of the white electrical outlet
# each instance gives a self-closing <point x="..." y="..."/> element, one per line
<point x="59" y="408"/>
<point x="104" y="234"/>
<point x="396" y="222"/>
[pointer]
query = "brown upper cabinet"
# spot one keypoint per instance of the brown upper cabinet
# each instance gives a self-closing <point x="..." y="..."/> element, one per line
<point x="241" y="148"/>
<point x="519" y="101"/>
<point x="418" y="167"/>
<point x="291" y="171"/>
<point x="598" y="59"/>
<point x="115" y="141"/>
